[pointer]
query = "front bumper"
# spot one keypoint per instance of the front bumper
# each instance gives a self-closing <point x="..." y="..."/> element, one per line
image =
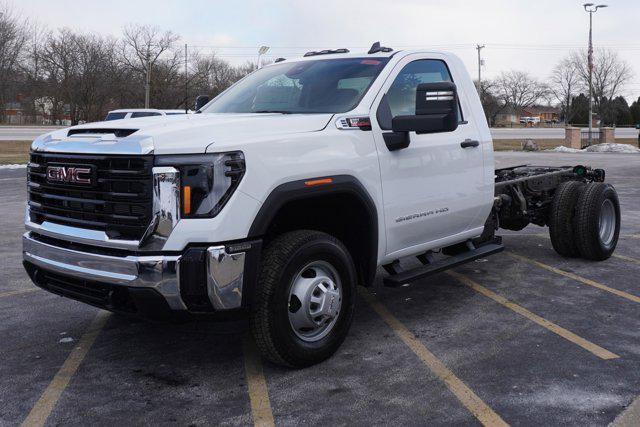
<point x="201" y="279"/>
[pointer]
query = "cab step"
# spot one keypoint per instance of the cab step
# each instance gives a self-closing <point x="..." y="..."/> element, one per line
<point x="399" y="278"/>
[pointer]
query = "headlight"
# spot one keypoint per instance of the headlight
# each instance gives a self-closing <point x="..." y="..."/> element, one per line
<point x="207" y="181"/>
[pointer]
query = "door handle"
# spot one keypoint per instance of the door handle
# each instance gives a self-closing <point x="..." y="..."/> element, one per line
<point x="469" y="143"/>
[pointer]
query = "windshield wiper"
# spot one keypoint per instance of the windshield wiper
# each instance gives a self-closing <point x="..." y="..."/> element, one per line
<point x="272" y="111"/>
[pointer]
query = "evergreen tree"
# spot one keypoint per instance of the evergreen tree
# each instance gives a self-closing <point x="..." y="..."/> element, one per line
<point x="623" y="115"/>
<point x="635" y="111"/>
<point x="580" y="109"/>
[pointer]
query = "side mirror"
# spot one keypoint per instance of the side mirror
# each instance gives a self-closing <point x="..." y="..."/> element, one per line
<point x="201" y="101"/>
<point x="436" y="111"/>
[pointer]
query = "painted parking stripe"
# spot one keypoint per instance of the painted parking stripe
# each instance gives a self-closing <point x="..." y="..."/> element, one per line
<point x="627" y="258"/>
<point x="257" y="384"/>
<point x="580" y="279"/>
<point x="550" y="326"/>
<point x="18" y="292"/>
<point x="44" y="406"/>
<point x="622" y="257"/>
<point x="465" y="395"/>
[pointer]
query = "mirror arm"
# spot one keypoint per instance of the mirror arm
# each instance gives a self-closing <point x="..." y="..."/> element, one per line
<point x="396" y="140"/>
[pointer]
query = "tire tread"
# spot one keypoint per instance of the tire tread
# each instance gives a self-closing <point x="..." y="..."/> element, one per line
<point x="562" y="218"/>
<point x="276" y="255"/>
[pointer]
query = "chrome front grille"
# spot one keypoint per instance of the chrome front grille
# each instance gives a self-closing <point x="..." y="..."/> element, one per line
<point x="118" y="202"/>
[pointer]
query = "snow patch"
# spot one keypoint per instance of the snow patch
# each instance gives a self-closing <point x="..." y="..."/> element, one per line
<point x="612" y="148"/>
<point x="22" y="166"/>
<point x="600" y="148"/>
<point x="563" y="149"/>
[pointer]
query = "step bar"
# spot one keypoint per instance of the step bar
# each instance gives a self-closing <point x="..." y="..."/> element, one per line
<point x="400" y="278"/>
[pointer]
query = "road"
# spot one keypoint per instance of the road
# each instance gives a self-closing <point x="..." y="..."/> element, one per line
<point x="525" y="337"/>
<point x="29" y="133"/>
<point x="23" y="133"/>
<point x="549" y="133"/>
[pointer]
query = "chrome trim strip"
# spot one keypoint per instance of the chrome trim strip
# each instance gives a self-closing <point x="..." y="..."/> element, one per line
<point x="78" y="235"/>
<point x="166" y="207"/>
<point x="157" y="272"/>
<point x="225" y="273"/>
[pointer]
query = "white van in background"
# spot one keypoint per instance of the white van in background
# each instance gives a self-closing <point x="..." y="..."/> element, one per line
<point x="133" y="113"/>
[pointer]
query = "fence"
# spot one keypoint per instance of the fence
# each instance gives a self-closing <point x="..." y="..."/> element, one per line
<point x="584" y="137"/>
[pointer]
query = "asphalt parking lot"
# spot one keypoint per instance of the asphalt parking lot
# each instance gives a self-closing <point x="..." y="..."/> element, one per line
<point x="524" y="337"/>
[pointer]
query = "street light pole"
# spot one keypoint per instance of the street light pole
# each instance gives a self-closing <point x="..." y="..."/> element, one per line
<point x="591" y="10"/>
<point x="479" y="48"/>
<point x="147" y="83"/>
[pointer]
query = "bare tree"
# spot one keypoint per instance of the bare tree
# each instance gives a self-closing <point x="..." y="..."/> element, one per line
<point x="59" y="64"/>
<point x="491" y="104"/>
<point x="610" y="74"/>
<point x="13" y="39"/>
<point x="517" y="89"/>
<point x="144" y="48"/>
<point x="565" y="82"/>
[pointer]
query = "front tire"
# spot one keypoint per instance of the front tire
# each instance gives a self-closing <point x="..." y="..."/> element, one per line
<point x="597" y="223"/>
<point x="304" y="299"/>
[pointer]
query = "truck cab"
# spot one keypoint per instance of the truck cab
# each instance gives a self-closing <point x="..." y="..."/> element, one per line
<point x="277" y="199"/>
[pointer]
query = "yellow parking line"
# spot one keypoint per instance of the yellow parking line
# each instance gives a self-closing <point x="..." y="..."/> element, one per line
<point x="465" y="395"/>
<point x="258" y="390"/>
<point x="581" y="279"/>
<point x="558" y="330"/>
<point x="18" y="292"/>
<point x="627" y="258"/>
<point x="43" y="407"/>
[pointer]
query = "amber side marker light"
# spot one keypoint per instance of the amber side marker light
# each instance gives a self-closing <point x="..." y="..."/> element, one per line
<point x="318" y="182"/>
<point x="186" y="200"/>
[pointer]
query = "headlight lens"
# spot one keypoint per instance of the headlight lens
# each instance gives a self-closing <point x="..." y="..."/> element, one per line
<point x="207" y="181"/>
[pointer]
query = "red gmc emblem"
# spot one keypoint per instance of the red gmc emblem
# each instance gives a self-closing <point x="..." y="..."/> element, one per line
<point x="70" y="174"/>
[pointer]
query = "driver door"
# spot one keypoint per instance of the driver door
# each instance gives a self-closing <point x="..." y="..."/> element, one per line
<point x="432" y="189"/>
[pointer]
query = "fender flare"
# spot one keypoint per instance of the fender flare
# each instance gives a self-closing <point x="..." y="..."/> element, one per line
<point x="298" y="190"/>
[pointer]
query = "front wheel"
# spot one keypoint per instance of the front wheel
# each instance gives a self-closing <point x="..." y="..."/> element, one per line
<point x="305" y="298"/>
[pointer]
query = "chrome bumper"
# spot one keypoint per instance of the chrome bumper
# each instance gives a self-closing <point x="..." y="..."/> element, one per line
<point x="224" y="271"/>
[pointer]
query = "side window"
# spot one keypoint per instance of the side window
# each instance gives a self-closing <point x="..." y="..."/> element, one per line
<point x="400" y="99"/>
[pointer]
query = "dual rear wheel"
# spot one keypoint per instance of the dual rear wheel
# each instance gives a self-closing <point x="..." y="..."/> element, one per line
<point x="584" y="220"/>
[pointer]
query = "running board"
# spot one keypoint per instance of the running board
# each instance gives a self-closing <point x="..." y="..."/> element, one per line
<point x="423" y="271"/>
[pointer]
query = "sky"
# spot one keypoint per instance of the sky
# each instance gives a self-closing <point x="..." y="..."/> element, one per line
<point x="524" y="35"/>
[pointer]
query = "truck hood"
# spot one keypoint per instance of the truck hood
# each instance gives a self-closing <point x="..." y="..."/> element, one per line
<point x="181" y="134"/>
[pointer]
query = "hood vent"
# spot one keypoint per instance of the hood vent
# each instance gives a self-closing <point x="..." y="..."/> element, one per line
<point x="119" y="133"/>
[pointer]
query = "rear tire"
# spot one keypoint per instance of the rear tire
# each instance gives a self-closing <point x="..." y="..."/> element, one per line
<point x="562" y="217"/>
<point x="304" y="298"/>
<point x="597" y="224"/>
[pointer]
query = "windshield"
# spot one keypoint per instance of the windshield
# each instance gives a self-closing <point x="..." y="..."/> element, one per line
<point x="319" y="86"/>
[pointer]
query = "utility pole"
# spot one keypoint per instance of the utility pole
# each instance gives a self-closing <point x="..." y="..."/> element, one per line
<point x="479" y="48"/>
<point x="186" y="82"/>
<point x="147" y="85"/>
<point x="588" y="7"/>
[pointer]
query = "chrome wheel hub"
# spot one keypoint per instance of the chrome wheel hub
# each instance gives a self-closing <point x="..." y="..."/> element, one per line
<point x="607" y="222"/>
<point x="315" y="299"/>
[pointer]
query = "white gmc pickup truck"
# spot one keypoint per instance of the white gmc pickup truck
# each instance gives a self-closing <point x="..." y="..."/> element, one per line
<point x="290" y="189"/>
